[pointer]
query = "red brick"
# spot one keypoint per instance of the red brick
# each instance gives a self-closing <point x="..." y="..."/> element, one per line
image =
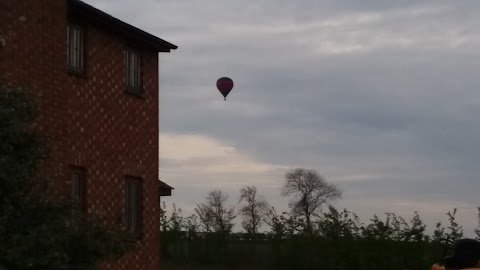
<point x="91" y="122"/>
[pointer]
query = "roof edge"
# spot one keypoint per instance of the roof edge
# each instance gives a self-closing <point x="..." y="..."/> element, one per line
<point x="93" y="14"/>
<point x="164" y="185"/>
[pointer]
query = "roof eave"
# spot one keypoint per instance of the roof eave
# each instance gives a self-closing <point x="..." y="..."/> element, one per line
<point x="77" y="7"/>
<point x="165" y="190"/>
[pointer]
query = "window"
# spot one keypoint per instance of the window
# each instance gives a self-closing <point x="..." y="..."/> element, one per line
<point x="78" y="187"/>
<point x="133" y="72"/>
<point x="75" y="48"/>
<point x="133" y="205"/>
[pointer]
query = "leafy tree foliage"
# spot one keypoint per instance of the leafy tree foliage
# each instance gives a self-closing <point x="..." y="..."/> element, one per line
<point x="336" y="225"/>
<point x="36" y="232"/>
<point x="454" y="230"/>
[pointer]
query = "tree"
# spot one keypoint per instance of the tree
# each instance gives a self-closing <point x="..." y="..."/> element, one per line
<point x="439" y="233"/>
<point x="253" y="211"/>
<point x="378" y="229"/>
<point x="192" y="225"/>
<point x="398" y="227"/>
<point x="455" y="231"/>
<point x="310" y="192"/>
<point x="277" y="226"/>
<point x="164" y="223"/>
<point x="416" y="230"/>
<point x="283" y="225"/>
<point x="205" y="214"/>
<point x="477" y="230"/>
<point x="214" y="214"/>
<point x="336" y="225"/>
<point x="37" y="232"/>
<point x="177" y="221"/>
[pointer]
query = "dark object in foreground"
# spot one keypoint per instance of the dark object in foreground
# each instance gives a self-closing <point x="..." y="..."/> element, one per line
<point x="466" y="254"/>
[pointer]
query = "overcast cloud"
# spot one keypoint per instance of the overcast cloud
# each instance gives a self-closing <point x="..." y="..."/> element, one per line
<point x="381" y="97"/>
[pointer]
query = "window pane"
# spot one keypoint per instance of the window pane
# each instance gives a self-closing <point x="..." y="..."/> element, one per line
<point x="133" y="71"/>
<point x="74" y="41"/>
<point x="68" y="46"/>
<point x="127" y="205"/>
<point x="78" y="187"/>
<point x="130" y="70"/>
<point x="137" y="70"/>
<point x="75" y="48"/>
<point x="77" y="42"/>
<point x="75" y="186"/>
<point x="133" y="205"/>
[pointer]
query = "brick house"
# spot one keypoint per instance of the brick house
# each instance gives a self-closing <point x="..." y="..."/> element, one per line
<point x="95" y="80"/>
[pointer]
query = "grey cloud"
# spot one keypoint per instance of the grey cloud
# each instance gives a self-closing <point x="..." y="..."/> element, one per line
<point x="382" y="89"/>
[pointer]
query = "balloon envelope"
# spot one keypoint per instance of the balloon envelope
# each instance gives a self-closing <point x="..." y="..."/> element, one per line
<point x="224" y="85"/>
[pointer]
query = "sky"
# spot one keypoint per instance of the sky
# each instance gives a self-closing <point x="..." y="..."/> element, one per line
<point x="380" y="97"/>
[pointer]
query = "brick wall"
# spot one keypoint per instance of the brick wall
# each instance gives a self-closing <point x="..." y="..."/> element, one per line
<point x="90" y="121"/>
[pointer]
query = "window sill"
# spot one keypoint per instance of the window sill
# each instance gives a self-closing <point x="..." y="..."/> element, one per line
<point x="77" y="73"/>
<point x="135" y="93"/>
<point x="134" y="238"/>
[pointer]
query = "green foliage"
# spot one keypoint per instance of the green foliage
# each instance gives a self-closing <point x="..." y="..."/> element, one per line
<point x="20" y="151"/>
<point x="36" y="233"/>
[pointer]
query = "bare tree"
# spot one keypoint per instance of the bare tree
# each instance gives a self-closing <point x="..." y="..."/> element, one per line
<point x="253" y="211"/>
<point x="214" y="214"/>
<point x="310" y="192"/>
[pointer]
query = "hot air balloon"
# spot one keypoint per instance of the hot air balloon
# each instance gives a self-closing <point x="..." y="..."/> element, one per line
<point x="224" y="85"/>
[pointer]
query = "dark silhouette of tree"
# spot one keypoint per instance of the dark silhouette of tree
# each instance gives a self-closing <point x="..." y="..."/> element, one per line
<point x="398" y="227"/>
<point x="164" y="222"/>
<point x="36" y="231"/>
<point x="336" y="225"/>
<point x="192" y="225"/>
<point x="378" y="229"/>
<point x="454" y="230"/>
<point x="439" y="233"/>
<point x="214" y="214"/>
<point x="416" y="230"/>
<point x="177" y="221"/>
<point x="310" y="191"/>
<point x="253" y="211"/>
<point x="277" y="225"/>
<point x="477" y="230"/>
